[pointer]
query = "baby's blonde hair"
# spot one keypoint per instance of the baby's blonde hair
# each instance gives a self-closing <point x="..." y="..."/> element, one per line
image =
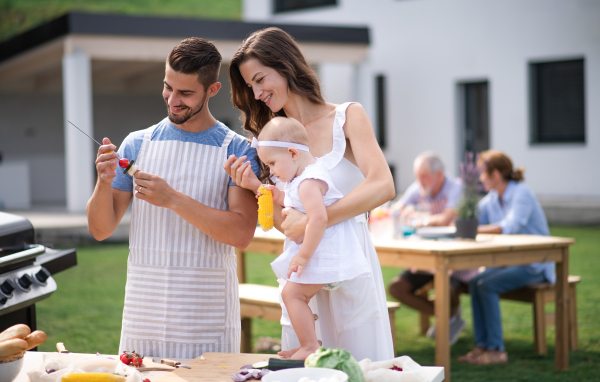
<point x="284" y="129"/>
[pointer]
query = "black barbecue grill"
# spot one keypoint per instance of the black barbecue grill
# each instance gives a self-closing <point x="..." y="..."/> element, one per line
<point x="26" y="271"/>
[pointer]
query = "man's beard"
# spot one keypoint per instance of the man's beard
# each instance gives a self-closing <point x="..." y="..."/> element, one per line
<point x="426" y="191"/>
<point x="183" y="118"/>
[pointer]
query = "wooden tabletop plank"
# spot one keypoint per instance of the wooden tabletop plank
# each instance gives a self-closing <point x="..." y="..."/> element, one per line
<point x="271" y="241"/>
<point x="216" y="367"/>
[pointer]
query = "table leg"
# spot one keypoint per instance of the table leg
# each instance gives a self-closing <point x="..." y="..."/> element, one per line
<point x="441" y="282"/>
<point x="561" y="359"/>
<point x="241" y="265"/>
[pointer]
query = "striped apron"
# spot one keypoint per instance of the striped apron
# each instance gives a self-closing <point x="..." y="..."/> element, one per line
<point x="181" y="296"/>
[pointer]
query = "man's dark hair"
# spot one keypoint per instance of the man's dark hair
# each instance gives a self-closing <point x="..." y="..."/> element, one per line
<point x="195" y="55"/>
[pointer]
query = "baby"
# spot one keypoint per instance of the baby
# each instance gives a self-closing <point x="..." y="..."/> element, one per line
<point x="328" y="255"/>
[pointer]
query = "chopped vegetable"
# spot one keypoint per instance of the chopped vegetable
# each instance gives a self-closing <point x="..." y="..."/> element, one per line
<point x="259" y="365"/>
<point x="248" y="374"/>
<point x="123" y="163"/>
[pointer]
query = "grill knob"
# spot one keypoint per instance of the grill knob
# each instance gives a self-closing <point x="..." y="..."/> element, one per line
<point x="3" y="300"/>
<point x="25" y="281"/>
<point x="42" y="275"/>
<point x="7" y="287"/>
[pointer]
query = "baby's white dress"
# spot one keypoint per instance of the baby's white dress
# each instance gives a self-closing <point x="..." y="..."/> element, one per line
<point x="339" y="255"/>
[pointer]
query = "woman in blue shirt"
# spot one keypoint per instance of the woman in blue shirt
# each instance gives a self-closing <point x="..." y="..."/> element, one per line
<point x="510" y="207"/>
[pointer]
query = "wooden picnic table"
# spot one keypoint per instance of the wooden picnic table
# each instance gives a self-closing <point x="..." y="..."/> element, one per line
<point x="453" y="254"/>
<point x="218" y="367"/>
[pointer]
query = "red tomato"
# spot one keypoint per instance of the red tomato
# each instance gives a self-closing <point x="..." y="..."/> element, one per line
<point x="123" y="163"/>
<point x="136" y="360"/>
<point x="146" y="380"/>
<point x="125" y="358"/>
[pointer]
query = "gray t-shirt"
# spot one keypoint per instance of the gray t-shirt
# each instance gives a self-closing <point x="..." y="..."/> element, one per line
<point x="448" y="197"/>
<point x="166" y="131"/>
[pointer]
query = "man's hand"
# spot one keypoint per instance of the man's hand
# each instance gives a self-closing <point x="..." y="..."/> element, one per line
<point x="241" y="173"/>
<point x="154" y="190"/>
<point x="297" y="265"/>
<point x="106" y="162"/>
<point x="294" y="224"/>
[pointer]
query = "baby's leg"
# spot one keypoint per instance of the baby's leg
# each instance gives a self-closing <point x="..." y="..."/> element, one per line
<point x="296" y="297"/>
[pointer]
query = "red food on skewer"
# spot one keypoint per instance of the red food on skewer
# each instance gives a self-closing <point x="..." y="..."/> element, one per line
<point x="123" y="163"/>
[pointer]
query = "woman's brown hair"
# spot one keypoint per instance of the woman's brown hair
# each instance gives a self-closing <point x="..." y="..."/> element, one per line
<point x="491" y="160"/>
<point x="276" y="49"/>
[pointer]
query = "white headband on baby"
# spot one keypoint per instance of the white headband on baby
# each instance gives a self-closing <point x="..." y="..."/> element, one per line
<point x="255" y="143"/>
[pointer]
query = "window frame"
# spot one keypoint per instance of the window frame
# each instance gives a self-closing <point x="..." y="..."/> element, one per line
<point x="534" y="127"/>
<point x="302" y="7"/>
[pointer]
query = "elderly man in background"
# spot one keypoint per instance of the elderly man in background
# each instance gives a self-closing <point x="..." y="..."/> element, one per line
<point x="438" y="193"/>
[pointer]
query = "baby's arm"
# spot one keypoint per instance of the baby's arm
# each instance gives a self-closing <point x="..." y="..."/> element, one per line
<point x="311" y="195"/>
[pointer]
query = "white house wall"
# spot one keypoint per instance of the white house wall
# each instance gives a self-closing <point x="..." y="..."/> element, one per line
<point x="426" y="47"/>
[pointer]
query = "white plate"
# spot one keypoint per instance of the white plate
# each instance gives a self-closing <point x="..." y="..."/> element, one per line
<point x="293" y="375"/>
<point x="435" y="232"/>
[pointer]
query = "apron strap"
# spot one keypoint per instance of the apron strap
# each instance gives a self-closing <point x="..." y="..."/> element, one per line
<point x="228" y="138"/>
<point x="147" y="139"/>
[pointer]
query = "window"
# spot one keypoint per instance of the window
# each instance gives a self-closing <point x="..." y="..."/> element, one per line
<point x="476" y="129"/>
<point x="557" y="102"/>
<point x="296" y="5"/>
<point x="380" y="101"/>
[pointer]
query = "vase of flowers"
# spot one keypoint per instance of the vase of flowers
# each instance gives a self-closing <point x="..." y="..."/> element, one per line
<point x="467" y="214"/>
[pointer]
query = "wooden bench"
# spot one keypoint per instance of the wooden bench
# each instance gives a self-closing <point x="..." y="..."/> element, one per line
<point x="261" y="301"/>
<point x="538" y="295"/>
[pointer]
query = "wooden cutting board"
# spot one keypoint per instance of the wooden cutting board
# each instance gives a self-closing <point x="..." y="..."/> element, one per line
<point x="150" y="365"/>
<point x="211" y="368"/>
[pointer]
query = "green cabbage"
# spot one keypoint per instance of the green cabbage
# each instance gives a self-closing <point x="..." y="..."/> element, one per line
<point x="339" y="359"/>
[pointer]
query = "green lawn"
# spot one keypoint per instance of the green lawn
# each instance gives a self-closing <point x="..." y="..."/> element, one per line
<point x="85" y="314"/>
<point x="17" y="16"/>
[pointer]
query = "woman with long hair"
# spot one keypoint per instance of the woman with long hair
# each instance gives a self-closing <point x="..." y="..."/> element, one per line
<point x="510" y="207"/>
<point x="270" y="77"/>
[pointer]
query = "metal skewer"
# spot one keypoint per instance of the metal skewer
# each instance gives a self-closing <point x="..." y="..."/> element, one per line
<point x="99" y="144"/>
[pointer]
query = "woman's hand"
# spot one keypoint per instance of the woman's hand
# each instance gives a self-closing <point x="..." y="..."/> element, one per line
<point x="241" y="173"/>
<point x="294" y="224"/>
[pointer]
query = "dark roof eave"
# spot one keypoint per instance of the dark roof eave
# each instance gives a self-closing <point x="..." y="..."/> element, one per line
<point x="102" y="24"/>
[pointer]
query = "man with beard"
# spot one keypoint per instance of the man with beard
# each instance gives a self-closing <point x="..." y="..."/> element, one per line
<point x="181" y="296"/>
<point x="434" y="195"/>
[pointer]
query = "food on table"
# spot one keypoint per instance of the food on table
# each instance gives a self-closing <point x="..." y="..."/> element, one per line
<point x="16" y="331"/>
<point x="12" y="346"/>
<point x="17" y="339"/>
<point x="35" y="339"/>
<point x="125" y="358"/>
<point x="339" y="359"/>
<point x="283" y="363"/>
<point x="248" y="373"/>
<point x="92" y="377"/>
<point x="260" y="364"/>
<point x="131" y="358"/>
<point x="265" y="208"/>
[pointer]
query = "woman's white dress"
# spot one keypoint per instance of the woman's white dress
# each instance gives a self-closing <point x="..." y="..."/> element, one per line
<point x="354" y="316"/>
<point x="339" y="256"/>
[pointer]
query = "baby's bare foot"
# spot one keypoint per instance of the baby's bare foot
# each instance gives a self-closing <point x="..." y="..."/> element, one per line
<point x="288" y="353"/>
<point x="302" y="353"/>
